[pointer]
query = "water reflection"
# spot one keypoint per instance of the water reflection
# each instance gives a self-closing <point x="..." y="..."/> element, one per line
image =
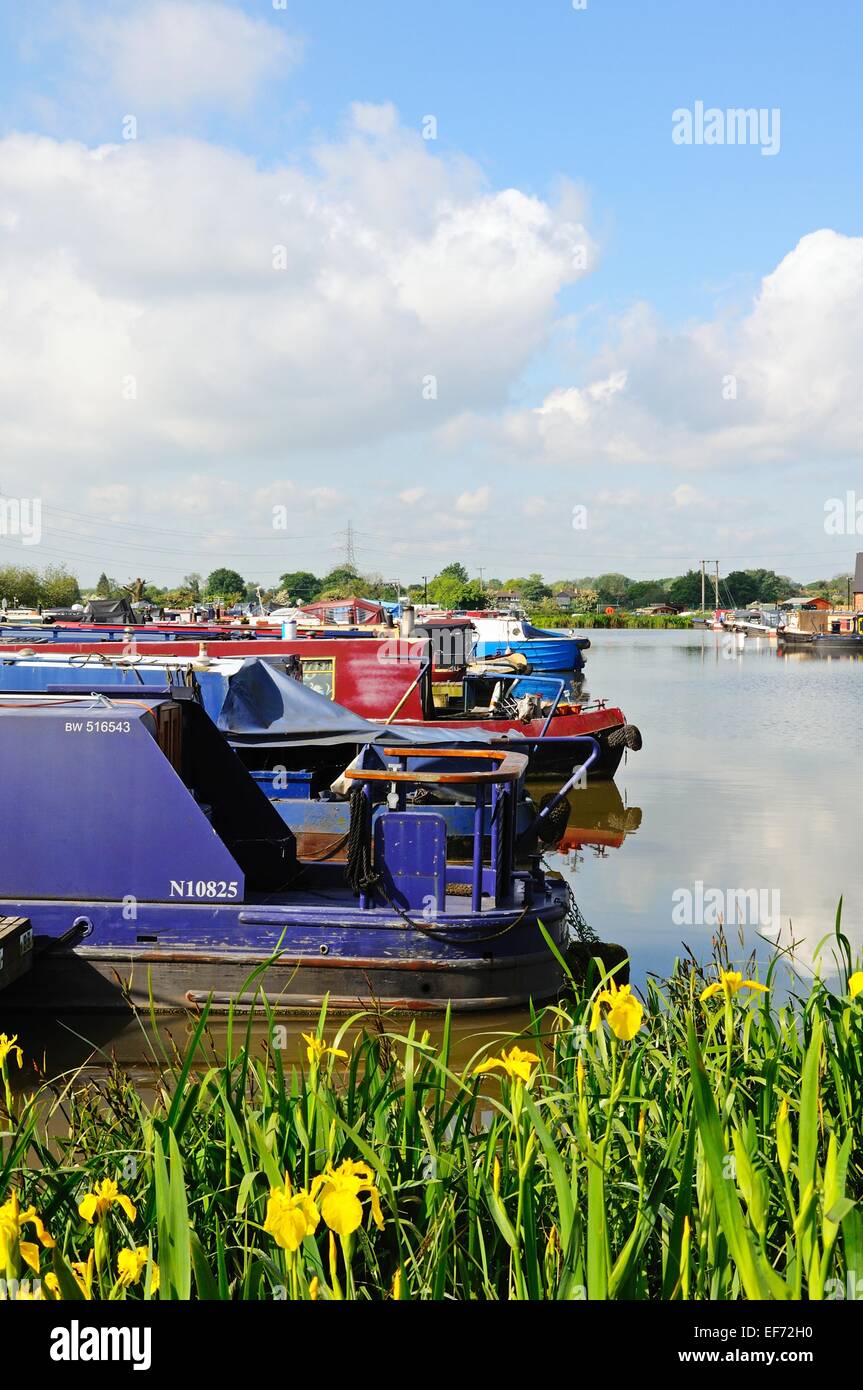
<point x="749" y="779"/>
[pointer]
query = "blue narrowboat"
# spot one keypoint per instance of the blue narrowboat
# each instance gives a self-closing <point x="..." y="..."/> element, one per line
<point x="544" y="649"/>
<point x="156" y="872"/>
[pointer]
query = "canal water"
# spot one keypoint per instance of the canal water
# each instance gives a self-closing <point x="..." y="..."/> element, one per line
<point x="749" y="787"/>
<point x="741" y="809"/>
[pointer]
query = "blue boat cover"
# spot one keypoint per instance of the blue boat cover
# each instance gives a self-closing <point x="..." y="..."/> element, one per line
<point x="265" y="706"/>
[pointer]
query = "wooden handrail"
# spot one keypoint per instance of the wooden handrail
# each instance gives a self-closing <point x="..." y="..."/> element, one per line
<point x="512" y="767"/>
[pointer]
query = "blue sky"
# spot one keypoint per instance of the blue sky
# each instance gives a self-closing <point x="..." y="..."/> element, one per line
<point x="553" y="128"/>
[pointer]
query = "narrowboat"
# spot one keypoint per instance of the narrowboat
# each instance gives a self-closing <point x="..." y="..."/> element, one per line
<point x="544" y="649"/>
<point x="154" y="872"/>
<point x="316" y="740"/>
<point x="844" y="636"/>
<point x="390" y="681"/>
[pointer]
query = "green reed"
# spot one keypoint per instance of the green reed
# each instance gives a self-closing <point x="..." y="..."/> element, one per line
<point x="718" y="1154"/>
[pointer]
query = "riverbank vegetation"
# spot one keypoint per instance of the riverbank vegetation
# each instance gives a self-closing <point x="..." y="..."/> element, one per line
<point x="607" y="621"/>
<point x="705" y="1142"/>
<point x="552" y="603"/>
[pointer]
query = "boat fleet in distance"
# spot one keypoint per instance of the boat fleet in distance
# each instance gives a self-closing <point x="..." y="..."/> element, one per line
<point x="808" y="627"/>
<point x="196" y="813"/>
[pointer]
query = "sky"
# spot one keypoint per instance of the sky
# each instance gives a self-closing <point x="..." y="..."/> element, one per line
<point x="488" y="282"/>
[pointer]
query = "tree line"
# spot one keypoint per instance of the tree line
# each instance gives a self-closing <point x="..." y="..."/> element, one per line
<point x="451" y="588"/>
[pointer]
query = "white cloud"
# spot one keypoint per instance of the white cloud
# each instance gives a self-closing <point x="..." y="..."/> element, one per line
<point x="618" y="497"/>
<point x="779" y="384"/>
<point x="412" y="495"/>
<point x="178" y="54"/>
<point x="685" y="495"/>
<point x="372" y="119"/>
<point x="146" y="330"/>
<point x="470" y="503"/>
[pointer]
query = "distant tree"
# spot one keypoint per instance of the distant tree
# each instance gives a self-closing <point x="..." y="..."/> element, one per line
<point x="685" y="590"/>
<point x="446" y="590"/>
<point x="750" y="586"/>
<point x="534" y="589"/>
<point x="183" y="597"/>
<point x="474" y="596"/>
<point x="191" y="583"/>
<point x="341" y="582"/>
<point x="612" y="589"/>
<point x="742" y="587"/>
<point x="643" y="592"/>
<point x="103" y="586"/>
<point x="226" y="585"/>
<point x="837" y="589"/>
<point x="20" y="586"/>
<point x="59" y="587"/>
<point x="300" y="584"/>
<point x="454" y="571"/>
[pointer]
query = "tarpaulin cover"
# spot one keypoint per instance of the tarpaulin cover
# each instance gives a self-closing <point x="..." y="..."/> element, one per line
<point x="267" y="707"/>
<point x="110" y="610"/>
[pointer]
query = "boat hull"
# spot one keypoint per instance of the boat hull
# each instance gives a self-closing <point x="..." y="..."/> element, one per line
<point x="551" y="752"/>
<point x="823" y="643"/>
<point x="544" y="653"/>
<point x="234" y="956"/>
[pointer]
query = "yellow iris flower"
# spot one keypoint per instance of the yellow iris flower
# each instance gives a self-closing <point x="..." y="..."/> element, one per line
<point x="730" y="982"/>
<point x="105" y="1195"/>
<point x="625" y="1013"/>
<point x="12" y="1221"/>
<point x="131" y="1264"/>
<point x="855" y="984"/>
<point x="517" y="1064"/>
<point x="82" y="1273"/>
<point x="291" y="1216"/>
<point x="8" y="1045"/>
<point x="316" y="1049"/>
<point x="340" y="1190"/>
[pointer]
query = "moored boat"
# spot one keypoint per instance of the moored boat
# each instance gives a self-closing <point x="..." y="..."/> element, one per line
<point x="545" y="650"/>
<point x="824" y="643"/>
<point x="155" y="872"/>
<point x="386" y="681"/>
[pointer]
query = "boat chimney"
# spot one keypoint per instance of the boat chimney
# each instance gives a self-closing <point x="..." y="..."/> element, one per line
<point x="289" y="630"/>
<point x="407" y="621"/>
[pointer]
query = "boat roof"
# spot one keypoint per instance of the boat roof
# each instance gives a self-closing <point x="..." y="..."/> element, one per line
<point x="64" y="706"/>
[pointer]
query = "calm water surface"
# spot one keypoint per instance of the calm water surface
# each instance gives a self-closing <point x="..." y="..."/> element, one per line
<point x="749" y="779"/>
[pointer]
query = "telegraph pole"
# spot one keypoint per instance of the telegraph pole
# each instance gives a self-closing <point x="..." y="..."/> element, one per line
<point x="703" y="562"/>
<point x="716" y="584"/>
